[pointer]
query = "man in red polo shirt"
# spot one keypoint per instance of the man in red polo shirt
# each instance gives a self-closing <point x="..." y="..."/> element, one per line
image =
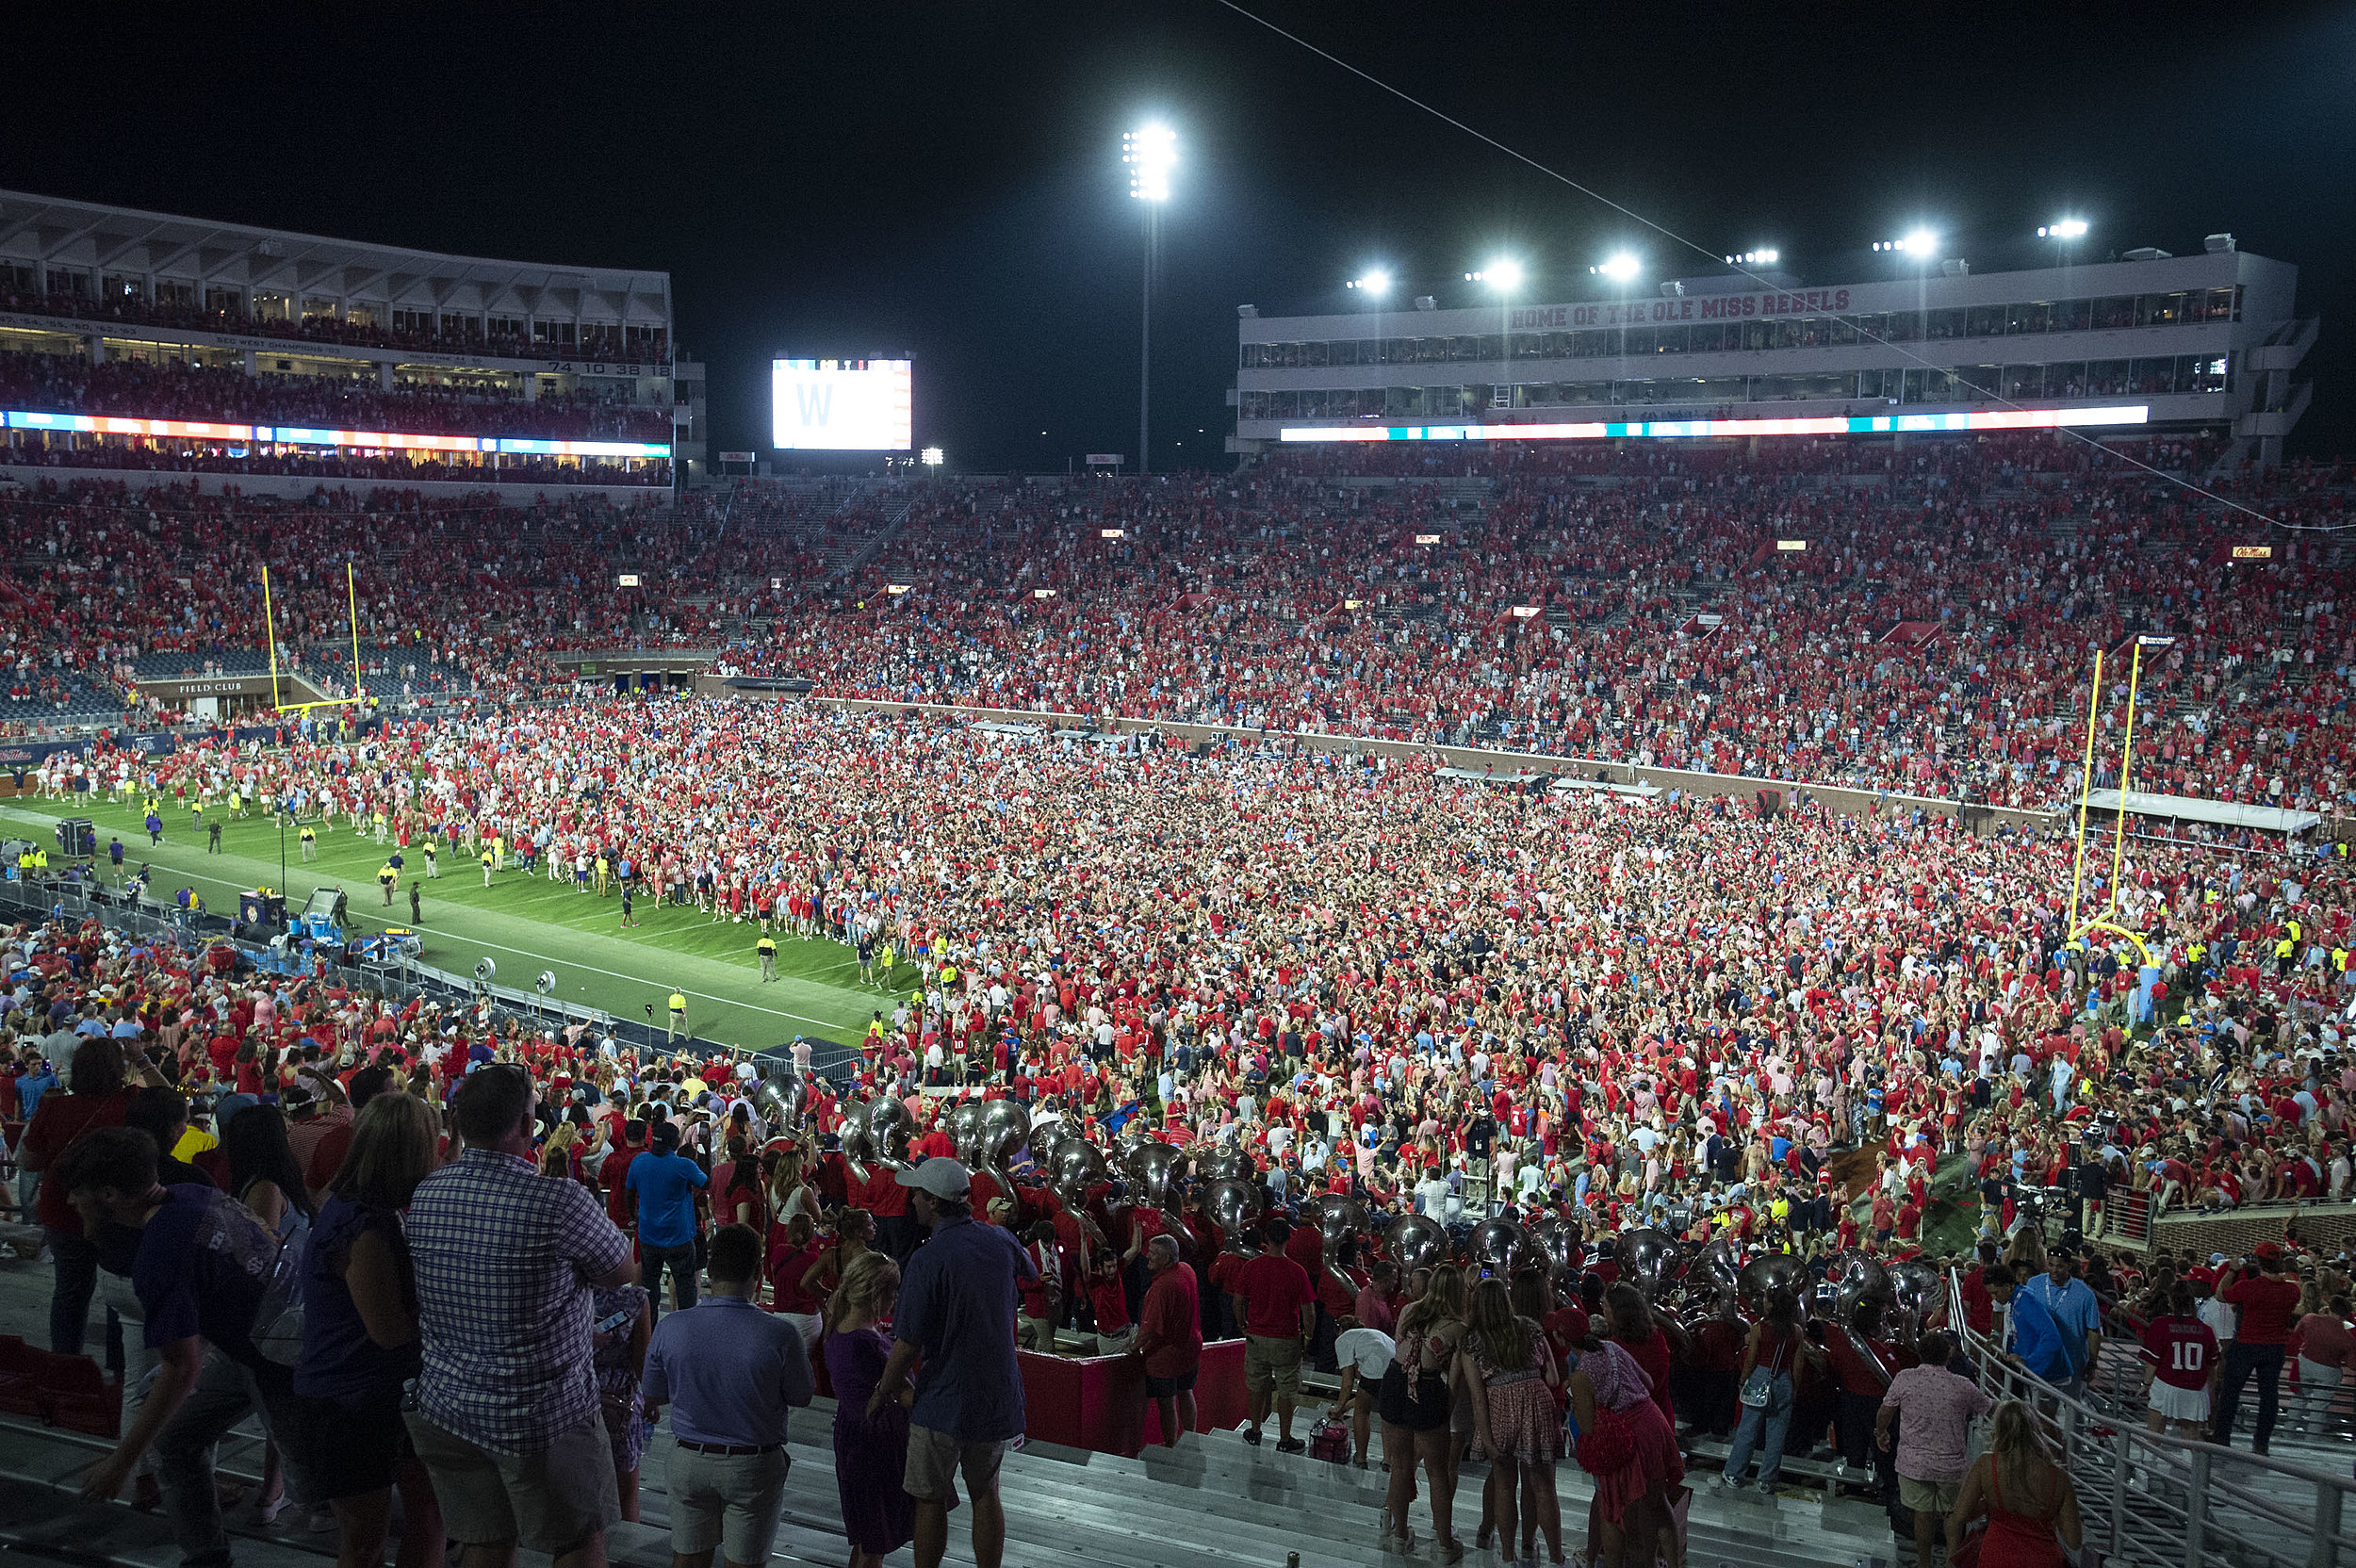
<point x="1279" y="1313"/>
<point x="1169" y="1338"/>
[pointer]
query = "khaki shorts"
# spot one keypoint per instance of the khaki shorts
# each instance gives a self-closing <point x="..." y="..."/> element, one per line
<point x="935" y="1459"/>
<point x="730" y="1501"/>
<point x="551" y="1501"/>
<point x="1929" y="1497"/>
<point x="1272" y="1364"/>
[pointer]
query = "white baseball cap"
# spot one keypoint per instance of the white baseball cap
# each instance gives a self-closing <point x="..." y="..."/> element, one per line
<point x="941" y="1176"/>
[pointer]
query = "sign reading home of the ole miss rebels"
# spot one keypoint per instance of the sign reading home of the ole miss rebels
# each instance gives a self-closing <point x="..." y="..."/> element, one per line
<point x="1704" y="307"/>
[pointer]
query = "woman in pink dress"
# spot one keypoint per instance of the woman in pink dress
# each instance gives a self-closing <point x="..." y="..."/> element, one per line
<point x="1631" y="1450"/>
<point x="1504" y="1363"/>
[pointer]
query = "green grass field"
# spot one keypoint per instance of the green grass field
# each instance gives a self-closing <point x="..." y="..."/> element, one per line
<point x="523" y="923"/>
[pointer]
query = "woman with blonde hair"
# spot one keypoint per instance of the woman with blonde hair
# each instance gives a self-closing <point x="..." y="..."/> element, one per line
<point x="556" y="1155"/>
<point x="1416" y="1396"/>
<point x="2031" y="1506"/>
<point x="790" y="1193"/>
<point x="869" y="1455"/>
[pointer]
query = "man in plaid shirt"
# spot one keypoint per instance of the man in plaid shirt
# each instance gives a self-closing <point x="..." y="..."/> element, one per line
<point x="507" y="1418"/>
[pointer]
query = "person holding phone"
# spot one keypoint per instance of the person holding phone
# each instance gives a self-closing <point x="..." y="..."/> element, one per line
<point x="624" y="1322"/>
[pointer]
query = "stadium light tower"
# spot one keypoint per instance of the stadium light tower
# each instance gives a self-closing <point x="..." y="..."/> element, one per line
<point x="1375" y="285"/>
<point x="1505" y="275"/>
<point x="1151" y="151"/>
<point x="1622" y="267"/>
<point x="2065" y="233"/>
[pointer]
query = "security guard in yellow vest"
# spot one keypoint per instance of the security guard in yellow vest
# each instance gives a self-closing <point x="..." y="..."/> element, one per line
<point x="678" y="1016"/>
<point x="310" y="839"/>
<point x="767" y="948"/>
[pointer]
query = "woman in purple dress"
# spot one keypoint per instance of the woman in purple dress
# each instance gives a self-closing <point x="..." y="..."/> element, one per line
<point x="870" y="1457"/>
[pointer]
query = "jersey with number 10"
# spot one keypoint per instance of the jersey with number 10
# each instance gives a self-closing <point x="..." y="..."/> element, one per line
<point x="2182" y="1349"/>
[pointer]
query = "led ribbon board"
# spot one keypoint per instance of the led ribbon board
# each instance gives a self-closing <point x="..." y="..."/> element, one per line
<point x="1873" y="424"/>
<point x="290" y="436"/>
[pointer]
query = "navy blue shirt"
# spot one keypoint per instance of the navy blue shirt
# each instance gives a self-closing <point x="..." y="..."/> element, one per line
<point x="957" y="1305"/>
<point x="203" y="1262"/>
<point x="665" y="1185"/>
<point x="339" y="1361"/>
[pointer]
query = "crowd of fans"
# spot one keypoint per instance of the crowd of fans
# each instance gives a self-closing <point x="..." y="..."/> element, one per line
<point x="593" y="341"/>
<point x="152" y="389"/>
<point x="1935" y="637"/>
<point x="1807" y="1036"/>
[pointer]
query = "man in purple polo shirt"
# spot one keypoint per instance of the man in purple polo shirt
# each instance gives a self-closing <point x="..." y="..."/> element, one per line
<point x="730" y="1373"/>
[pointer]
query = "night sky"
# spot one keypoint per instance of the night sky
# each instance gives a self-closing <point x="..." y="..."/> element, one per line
<point x="945" y="180"/>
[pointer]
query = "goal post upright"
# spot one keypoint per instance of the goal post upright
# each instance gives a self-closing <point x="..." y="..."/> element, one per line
<point x="270" y="634"/>
<point x="2085" y="788"/>
<point x="352" y="599"/>
<point x="2126" y="762"/>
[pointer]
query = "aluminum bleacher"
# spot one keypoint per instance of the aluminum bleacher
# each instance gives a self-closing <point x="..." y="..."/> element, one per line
<point x="1214" y="1501"/>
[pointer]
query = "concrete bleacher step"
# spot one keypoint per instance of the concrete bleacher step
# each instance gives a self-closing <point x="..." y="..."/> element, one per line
<point x="1215" y="1500"/>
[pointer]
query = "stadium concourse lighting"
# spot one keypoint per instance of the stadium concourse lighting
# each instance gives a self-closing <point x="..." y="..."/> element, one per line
<point x="2069" y="228"/>
<point x="1151" y="151"/>
<point x="1620" y="267"/>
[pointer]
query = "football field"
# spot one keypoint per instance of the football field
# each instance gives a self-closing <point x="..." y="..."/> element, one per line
<point x="523" y="923"/>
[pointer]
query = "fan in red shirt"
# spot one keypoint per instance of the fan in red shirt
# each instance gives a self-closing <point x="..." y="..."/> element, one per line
<point x="1279" y="1303"/>
<point x="1169" y="1338"/>
<point x="2268" y="1301"/>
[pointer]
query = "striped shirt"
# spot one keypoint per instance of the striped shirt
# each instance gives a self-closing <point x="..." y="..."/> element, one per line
<point x="504" y="1259"/>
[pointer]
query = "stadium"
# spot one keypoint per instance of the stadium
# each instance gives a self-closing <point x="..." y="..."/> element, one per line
<point x="1675" y="905"/>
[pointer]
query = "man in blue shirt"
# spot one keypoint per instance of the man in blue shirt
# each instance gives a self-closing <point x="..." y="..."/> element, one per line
<point x="730" y="1372"/>
<point x="665" y="1182"/>
<point x="2057" y="1323"/>
<point x="957" y="1310"/>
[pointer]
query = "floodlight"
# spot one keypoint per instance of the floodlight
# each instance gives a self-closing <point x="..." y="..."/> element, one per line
<point x="1377" y="283"/>
<point x="1151" y="153"/>
<point x="1504" y="274"/>
<point x="1620" y="267"/>
<point x="933" y="456"/>
<point x="1764" y="258"/>
<point x="2069" y="228"/>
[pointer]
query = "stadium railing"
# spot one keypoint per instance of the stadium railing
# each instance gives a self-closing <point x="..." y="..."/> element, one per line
<point x="2148" y="1497"/>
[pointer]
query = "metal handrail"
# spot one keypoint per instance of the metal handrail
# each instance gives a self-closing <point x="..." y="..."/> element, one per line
<point x="2148" y="1497"/>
